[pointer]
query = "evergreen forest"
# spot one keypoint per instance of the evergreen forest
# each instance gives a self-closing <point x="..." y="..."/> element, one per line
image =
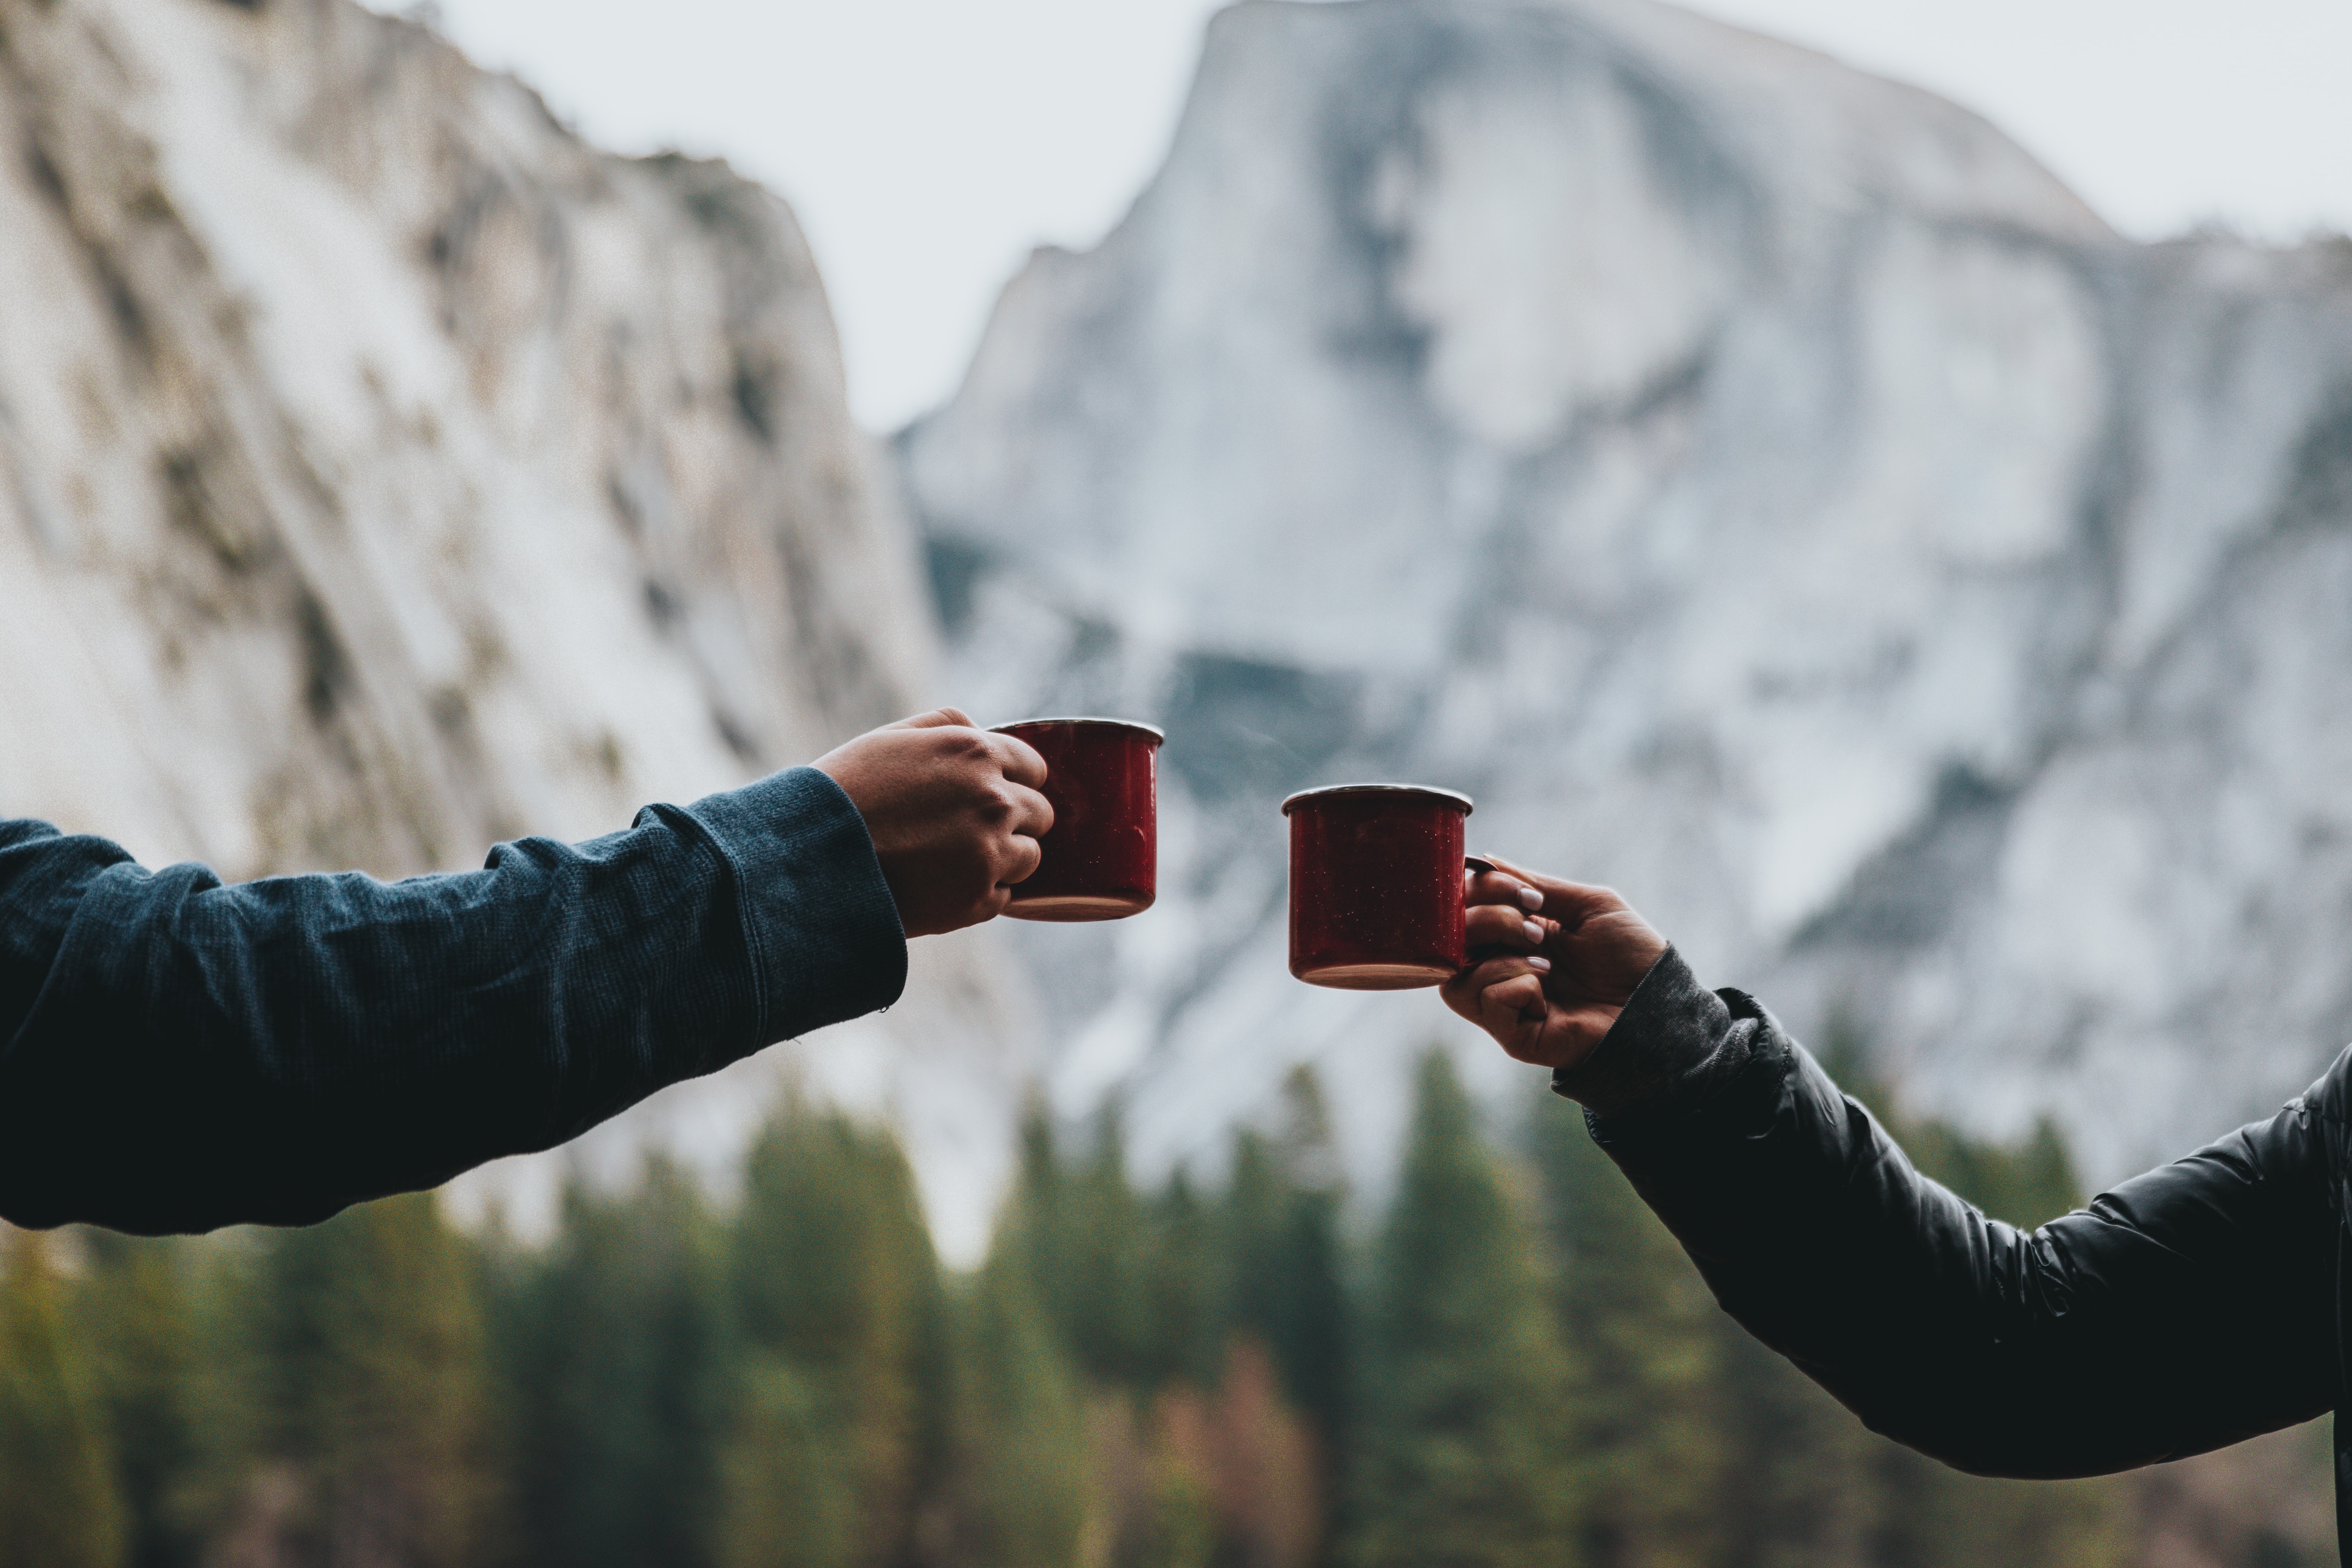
<point x="1507" y="1362"/>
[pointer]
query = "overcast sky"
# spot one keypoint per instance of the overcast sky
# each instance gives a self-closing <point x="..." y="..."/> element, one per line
<point x="927" y="145"/>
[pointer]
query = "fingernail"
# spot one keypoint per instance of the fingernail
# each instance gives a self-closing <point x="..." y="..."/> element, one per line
<point x="1540" y="966"/>
<point x="1533" y="931"/>
<point x="1530" y="898"/>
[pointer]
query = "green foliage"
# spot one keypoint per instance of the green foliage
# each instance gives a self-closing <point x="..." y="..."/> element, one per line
<point x="615" y="1354"/>
<point x="60" y="1505"/>
<point x="788" y="1498"/>
<point x="1464" y="1457"/>
<point x="1796" y="1488"/>
<point x="136" y="1304"/>
<point x="1078" y="1234"/>
<point x="1101" y="1303"/>
<point x="1183" y="1533"/>
<point x="1199" y="1327"/>
<point x="1283" y="1236"/>
<point x="1021" y="1458"/>
<point x="1033" y="1234"/>
<point x="839" y="1299"/>
<point x="1289" y="1271"/>
<point x="369" y="1432"/>
<point x="1183" y="1302"/>
<point x="1522" y="1368"/>
<point x="1645" y="1413"/>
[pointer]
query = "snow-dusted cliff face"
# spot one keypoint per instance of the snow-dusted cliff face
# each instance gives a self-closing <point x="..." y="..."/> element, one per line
<point x="1761" y="485"/>
<point x="383" y="472"/>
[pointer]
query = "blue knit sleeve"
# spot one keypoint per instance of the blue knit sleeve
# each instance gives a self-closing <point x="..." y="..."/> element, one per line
<point x="177" y="1054"/>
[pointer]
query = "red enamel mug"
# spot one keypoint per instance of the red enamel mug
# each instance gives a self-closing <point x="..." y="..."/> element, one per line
<point x="1102" y="854"/>
<point x="1376" y="887"/>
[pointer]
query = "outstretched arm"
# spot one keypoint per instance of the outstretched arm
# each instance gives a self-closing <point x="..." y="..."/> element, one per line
<point x="176" y="1054"/>
<point x="2187" y="1309"/>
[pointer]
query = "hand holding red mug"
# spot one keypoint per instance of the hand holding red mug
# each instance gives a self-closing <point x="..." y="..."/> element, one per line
<point x="954" y="812"/>
<point x="1565" y="957"/>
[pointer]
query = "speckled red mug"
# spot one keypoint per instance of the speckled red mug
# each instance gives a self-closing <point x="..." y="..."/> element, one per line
<point x="1102" y="854"/>
<point x="1376" y="885"/>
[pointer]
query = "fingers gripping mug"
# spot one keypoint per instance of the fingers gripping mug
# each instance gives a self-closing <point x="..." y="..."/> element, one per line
<point x="1376" y="893"/>
<point x="1102" y="854"/>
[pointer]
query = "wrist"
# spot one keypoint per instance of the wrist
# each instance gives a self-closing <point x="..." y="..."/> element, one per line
<point x="1667" y="1028"/>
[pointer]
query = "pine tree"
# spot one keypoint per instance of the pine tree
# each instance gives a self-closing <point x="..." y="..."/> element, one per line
<point x="1797" y="1488"/>
<point x="1256" y="1461"/>
<point x="1033" y="1236"/>
<point x="59" y="1506"/>
<point x="788" y="1501"/>
<point x="1020" y="1472"/>
<point x="1311" y="1328"/>
<point x="1284" y="1259"/>
<point x="839" y="1295"/>
<point x="1183" y="1288"/>
<point x="371" y="1391"/>
<point x="1256" y="1239"/>
<point x="1646" y="1415"/>
<point x="1102" y="1299"/>
<point x="619" y="1360"/>
<point x="137" y="1302"/>
<point x="1464" y="1460"/>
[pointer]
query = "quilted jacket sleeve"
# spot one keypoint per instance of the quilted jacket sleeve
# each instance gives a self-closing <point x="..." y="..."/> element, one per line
<point x="2189" y="1308"/>
<point x="176" y="1054"/>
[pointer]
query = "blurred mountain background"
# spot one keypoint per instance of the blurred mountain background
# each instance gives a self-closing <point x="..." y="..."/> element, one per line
<point x="1762" y="485"/>
<point x="387" y="472"/>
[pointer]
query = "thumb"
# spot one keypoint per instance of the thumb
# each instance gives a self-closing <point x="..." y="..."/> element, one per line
<point x="936" y="719"/>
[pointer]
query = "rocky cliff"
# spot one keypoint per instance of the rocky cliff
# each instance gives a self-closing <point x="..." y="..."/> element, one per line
<point x="1761" y="485"/>
<point x="383" y="472"/>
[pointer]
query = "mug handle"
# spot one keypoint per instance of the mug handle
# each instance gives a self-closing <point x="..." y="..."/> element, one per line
<point x="1478" y="863"/>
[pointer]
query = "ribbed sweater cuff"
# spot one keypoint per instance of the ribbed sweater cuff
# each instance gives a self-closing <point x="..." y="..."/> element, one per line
<point x="1674" y="1045"/>
<point x="819" y="921"/>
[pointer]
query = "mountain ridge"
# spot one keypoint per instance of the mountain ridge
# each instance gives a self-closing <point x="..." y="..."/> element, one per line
<point x="1767" y="490"/>
<point x="386" y="472"/>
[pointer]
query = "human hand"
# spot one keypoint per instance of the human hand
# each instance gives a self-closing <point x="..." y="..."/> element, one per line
<point x="953" y="811"/>
<point x="1566" y="958"/>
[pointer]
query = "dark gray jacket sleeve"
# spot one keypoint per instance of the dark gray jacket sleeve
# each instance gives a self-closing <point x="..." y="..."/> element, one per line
<point x="2187" y="1309"/>
<point x="176" y="1054"/>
